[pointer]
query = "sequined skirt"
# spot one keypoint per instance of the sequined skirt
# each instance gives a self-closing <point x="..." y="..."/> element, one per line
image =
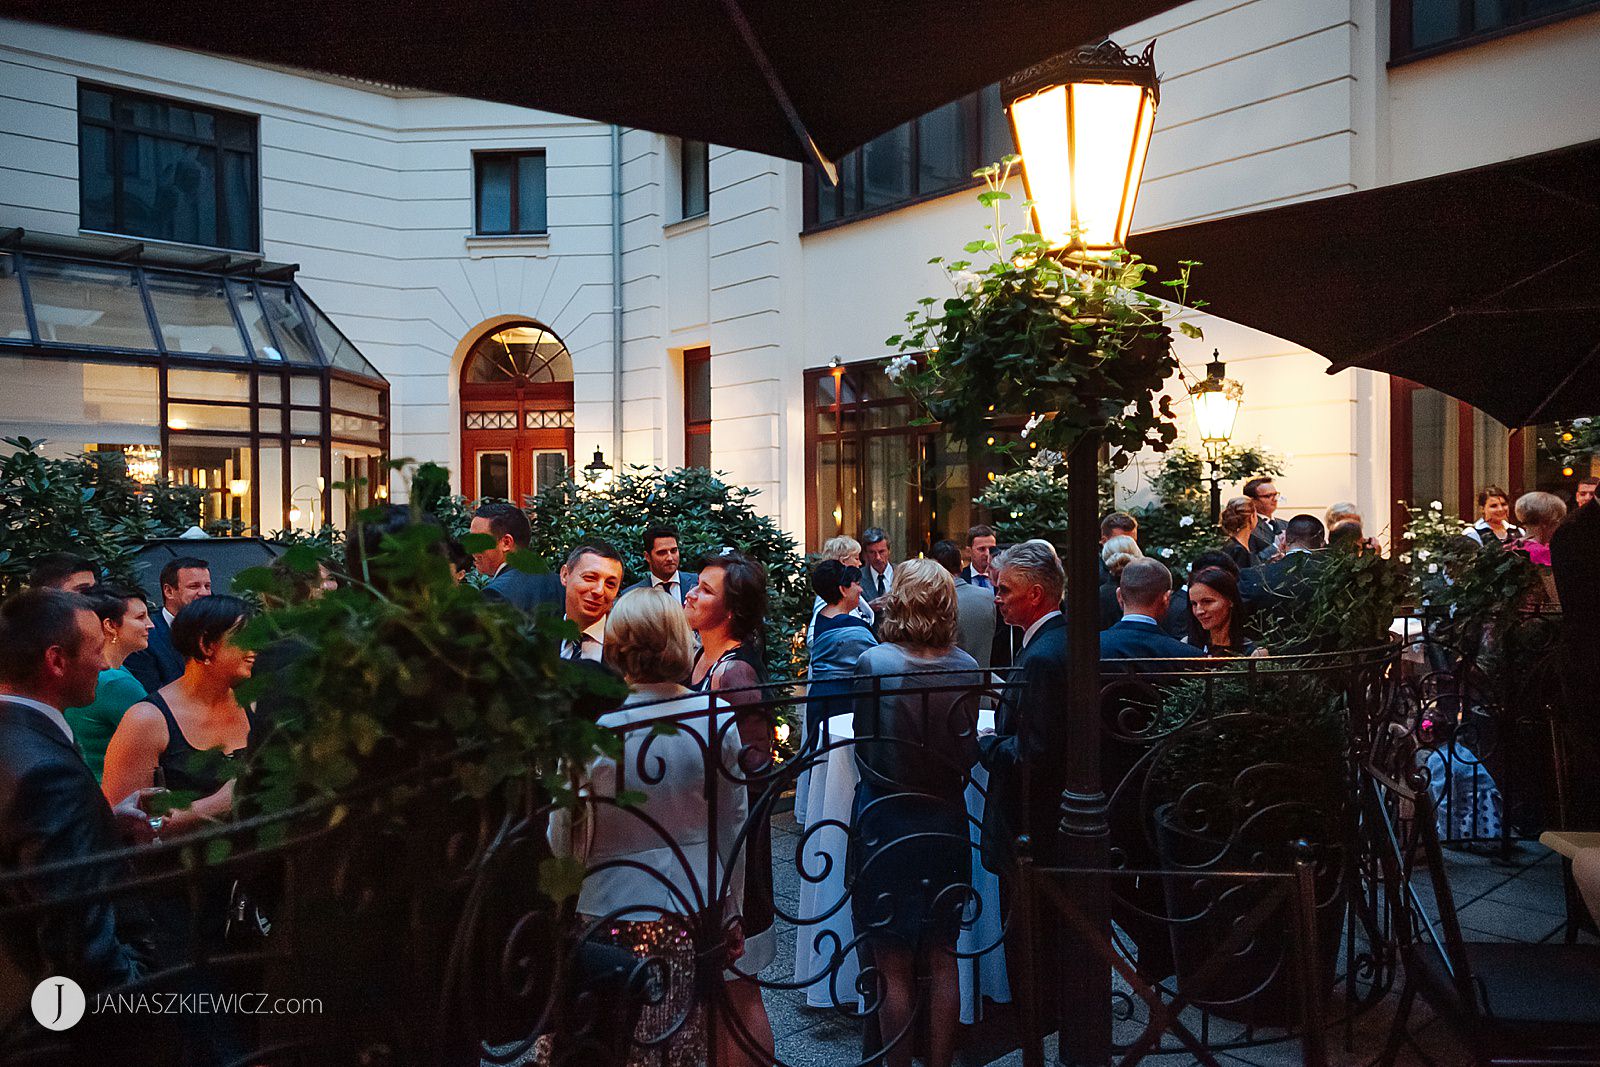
<point x="671" y="1031"/>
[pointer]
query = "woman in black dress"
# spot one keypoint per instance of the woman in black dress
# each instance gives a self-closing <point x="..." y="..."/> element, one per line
<point x="1239" y="522"/>
<point x="910" y="859"/>
<point x="169" y="740"/>
<point x="726" y="609"/>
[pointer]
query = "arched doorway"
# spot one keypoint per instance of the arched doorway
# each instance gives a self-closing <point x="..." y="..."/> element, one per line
<point x="516" y="412"/>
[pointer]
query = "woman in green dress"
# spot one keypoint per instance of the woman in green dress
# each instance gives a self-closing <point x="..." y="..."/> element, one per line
<point x="125" y="617"/>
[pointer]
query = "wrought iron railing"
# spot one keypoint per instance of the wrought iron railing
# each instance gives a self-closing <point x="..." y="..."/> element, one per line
<point x="442" y="930"/>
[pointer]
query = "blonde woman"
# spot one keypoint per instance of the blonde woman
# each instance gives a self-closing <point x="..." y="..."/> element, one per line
<point x="1118" y="552"/>
<point x="1239" y="522"/>
<point x="1540" y="514"/>
<point x="910" y="863"/>
<point x="642" y="872"/>
<point x="846" y="550"/>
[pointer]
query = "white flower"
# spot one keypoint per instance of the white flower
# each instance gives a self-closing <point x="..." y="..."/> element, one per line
<point x="967" y="277"/>
<point x="1405" y="557"/>
<point x="1433" y="568"/>
<point x="1165" y="552"/>
<point x="1582" y="422"/>
<point x="1436" y="506"/>
<point x="782" y="733"/>
<point x="1423" y="554"/>
<point x="898" y="366"/>
<point x="1187" y="520"/>
<point x="1409" y="535"/>
<point x="1046" y="460"/>
<point x="1033" y="424"/>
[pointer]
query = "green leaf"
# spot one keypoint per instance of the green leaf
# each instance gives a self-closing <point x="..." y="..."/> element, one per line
<point x="561" y="877"/>
<point x="1189" y="329"/>
<point x="631" y="798"/>
<point x="300" y="559"/>
<point x="476" y="542"/>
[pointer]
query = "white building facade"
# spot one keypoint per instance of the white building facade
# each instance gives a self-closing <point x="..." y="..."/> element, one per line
<point x="713" y="304"/>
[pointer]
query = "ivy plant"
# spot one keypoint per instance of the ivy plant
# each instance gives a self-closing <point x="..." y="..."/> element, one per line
<point x="1074" y="347"/>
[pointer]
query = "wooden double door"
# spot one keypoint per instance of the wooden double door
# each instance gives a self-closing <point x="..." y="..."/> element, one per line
<point x="515" y="441"/>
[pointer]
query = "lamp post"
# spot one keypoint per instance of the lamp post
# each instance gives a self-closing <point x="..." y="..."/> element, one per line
<point x="1216" y="407"/>
<point x="1082" y="123"/>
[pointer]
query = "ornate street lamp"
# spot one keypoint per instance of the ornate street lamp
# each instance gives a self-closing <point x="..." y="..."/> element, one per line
<point x="1216" y="407"/>
<point x="1082" y="122"/>
<point x="598" y="470"/>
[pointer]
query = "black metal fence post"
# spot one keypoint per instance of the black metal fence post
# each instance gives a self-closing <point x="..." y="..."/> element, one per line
<point x="1085" y="1037"/>
<point x="1314" y="1047"/>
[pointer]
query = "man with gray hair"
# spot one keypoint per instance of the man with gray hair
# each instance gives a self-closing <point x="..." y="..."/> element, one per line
<point x="1025" y="754"/>
<point x="1030" y="724"/>
<point x="1145" y="594"/>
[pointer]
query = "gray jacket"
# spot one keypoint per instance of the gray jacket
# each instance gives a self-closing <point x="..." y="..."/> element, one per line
<point x="975" y="621"/>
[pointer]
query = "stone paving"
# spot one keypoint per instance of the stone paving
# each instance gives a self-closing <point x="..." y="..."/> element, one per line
<point x="1519" y="900"/>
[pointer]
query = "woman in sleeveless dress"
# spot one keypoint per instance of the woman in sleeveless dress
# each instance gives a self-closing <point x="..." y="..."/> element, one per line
<point x="170" y="740"/>
<point x="726" y="609"/>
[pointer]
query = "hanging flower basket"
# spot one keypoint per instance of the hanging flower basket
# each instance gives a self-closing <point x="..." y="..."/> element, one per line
<point x="1075" y="347"/>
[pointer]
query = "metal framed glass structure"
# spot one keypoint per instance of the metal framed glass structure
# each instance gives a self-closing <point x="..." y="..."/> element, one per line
<point x="210" y="370"/>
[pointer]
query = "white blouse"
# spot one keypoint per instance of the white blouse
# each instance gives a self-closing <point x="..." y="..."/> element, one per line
<point x="628" y="850"/>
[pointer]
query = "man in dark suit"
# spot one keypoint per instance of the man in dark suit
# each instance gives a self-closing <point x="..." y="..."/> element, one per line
<point x="661" y="556"/>
<point x="1575" y="559"/>
<point x="877" y="573"/>
<point x="1273" y="593"/>
<point x="1023" y="755"/>
<point x="980" y="553"/>
<point x="183" y="581"/>
<point x="1115" y="524"/>
<point x="508" y="525"/>
<point x="1145" y="594"/>
<point x="1264" y="498"/>
<point x="52" y="811"/>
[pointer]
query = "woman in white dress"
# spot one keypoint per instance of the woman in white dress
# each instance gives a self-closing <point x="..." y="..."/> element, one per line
<point x="658" y="867"/>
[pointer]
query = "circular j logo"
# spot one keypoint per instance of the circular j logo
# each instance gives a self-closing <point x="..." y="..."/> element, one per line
<point x="58" y="1003"/>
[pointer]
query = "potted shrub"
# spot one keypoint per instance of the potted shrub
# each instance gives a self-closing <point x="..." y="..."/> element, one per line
<point x="1258" y="765"/>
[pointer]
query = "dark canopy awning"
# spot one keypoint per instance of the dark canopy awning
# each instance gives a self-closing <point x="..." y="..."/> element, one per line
<point x="1483" y="284"/>
<point x="695" y="68"/>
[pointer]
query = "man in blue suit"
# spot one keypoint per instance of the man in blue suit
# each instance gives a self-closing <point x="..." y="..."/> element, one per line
<point x="183" y="581"/>
<point x="1144" y="594"/>
<point x="661" y="557"/>
<point x="508" y="525"/>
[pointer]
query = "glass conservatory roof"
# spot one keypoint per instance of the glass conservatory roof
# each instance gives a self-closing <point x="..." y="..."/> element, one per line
<point x="93" y="295"/>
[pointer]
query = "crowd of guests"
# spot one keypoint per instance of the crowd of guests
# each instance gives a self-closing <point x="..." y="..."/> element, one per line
<point x="105" y="704"/>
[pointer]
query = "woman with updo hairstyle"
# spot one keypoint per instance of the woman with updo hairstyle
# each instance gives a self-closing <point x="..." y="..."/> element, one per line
<point x="910" y="860"/>
<point x="1118" y="552"/>
<point x="641" y="871"/>
<point x="1217" y="612"/>
<point x="728" y="608"/>
<point x="1238" y="521"/>
<point x="125" y="620"/>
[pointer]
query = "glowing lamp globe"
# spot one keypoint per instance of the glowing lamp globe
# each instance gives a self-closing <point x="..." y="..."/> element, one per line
<point x="1216" y="405"/>
<point x="1082" y="123"/>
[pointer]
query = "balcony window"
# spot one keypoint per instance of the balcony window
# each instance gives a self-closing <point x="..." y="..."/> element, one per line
<point x="166" y="170"/>
<point x="511" y="193"/>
